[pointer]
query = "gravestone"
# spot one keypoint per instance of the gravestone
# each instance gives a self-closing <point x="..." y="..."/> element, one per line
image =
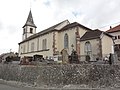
<point x="65" y="55"/>
<point x="74" y="57"/>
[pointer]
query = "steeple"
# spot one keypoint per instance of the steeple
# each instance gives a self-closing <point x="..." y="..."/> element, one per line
<point x="29" y="28"/>
<point x="30" y="21"/>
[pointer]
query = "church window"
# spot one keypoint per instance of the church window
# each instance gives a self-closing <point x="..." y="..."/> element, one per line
<point x="31" y="30"/>
<point x="118" y="36"/>
<point x="44" y="44"/>
<point x="66" y="41"/>
<point x="88" y="48"/>
<point x="32" y="46"/>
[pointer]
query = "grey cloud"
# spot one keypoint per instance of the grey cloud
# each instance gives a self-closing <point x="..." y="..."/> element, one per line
<point x="1" y="26"/>
<point x="12" y="29"/>
<point x="97" y="13"/>
<point x="76" y="13"/>
<point x="34" y="0"/>
<point x="104" y="13"/>
<point x="47" y="3"/>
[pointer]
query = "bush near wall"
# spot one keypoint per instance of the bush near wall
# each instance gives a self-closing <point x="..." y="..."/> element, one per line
<point x="60" y="75"/>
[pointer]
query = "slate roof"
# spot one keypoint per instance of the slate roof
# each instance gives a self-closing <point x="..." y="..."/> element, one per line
<point x="114" y="29"/>
<point x="30" y="21"/>
<point x="94" y="34"/>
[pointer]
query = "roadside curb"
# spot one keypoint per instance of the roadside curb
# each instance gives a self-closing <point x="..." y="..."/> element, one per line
<point x="68" y="87"/>
<point x="15" y="83"/>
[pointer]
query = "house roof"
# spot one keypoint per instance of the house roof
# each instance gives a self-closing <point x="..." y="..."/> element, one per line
<point x="94" y="34"/>
<point x="114" y="29"/>
<point x="7" y="54"/>
<point x="74" y="24"/>
<point x="30" y="21"/>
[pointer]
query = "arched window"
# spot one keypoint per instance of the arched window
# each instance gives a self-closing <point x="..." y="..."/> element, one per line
<point x="88" y="48"/>
<point x="66" y="43"/>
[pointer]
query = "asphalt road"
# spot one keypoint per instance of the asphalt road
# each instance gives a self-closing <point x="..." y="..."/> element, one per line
<point x="7" y="87"/>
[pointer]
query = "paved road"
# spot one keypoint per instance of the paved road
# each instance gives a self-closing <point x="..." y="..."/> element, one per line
<point x="7" y="87"/>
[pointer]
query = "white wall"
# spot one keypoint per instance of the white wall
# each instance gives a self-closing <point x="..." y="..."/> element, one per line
<point x="107" y="45"/>
<point x="27" y="33"/>
<point x="59" y="42"/>
<point x="117" y="41"/>
<point x="71" y="36"/>
<point x="94" y="45"/>
<point x="38" y="46"/>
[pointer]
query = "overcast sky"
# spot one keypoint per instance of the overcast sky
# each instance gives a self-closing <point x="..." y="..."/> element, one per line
<point x="91" y="13"/>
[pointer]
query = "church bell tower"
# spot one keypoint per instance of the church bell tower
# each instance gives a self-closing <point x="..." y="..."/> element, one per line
<point x="29" y="28"/>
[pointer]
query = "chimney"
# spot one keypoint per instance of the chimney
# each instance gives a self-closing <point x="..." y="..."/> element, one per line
<point x="110" y="27"/>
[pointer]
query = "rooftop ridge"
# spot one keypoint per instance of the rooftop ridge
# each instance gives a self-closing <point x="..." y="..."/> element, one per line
<point x="114" y="29"/>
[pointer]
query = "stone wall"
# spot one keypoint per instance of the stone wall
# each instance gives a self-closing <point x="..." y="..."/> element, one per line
<point x="27" y="74"/>
<point x="93" y="76"/>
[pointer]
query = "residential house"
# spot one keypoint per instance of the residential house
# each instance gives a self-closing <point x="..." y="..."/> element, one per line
<point x="115" y="31"/>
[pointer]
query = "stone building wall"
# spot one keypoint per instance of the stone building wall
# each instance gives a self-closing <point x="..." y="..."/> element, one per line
<point x="60" y="75"/>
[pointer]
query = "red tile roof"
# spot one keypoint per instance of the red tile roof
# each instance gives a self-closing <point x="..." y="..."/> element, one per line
<point x="114" y="29"/>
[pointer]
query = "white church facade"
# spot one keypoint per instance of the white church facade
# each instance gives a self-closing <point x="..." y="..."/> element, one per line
<point x="64" y="35"/>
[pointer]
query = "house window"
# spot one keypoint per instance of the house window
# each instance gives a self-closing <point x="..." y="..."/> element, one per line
<point x="88" y="48"/>
<point x="66" y="41"/>
<point x="44" y="44"/>
<point x="31" y="30"/>
<point x="118" y="36"/>
<point x="115" y="37"/>
<point x="32" y="46"/>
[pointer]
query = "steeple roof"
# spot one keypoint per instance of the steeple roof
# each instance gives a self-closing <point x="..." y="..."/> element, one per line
<point x="30" y="21"/>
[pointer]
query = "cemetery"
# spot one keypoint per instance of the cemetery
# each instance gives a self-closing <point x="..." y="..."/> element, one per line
<point x="38" y="72"/>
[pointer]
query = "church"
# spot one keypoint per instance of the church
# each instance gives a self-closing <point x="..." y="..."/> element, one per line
<point x="64" y="35"/>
